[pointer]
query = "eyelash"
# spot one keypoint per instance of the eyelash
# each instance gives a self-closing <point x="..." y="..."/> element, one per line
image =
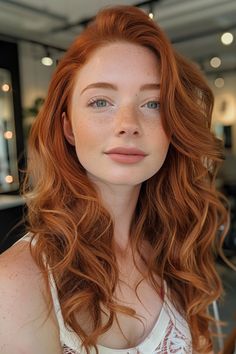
<point x="93" y="101"/>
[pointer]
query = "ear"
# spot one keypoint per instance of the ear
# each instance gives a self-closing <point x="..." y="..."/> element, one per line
<point x="67" y="128"/>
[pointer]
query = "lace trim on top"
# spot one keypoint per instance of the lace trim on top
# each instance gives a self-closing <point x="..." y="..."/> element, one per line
<point x="173" y="342"/>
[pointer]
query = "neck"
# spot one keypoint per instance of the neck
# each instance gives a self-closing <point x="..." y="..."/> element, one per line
<point x="120" y="201"/>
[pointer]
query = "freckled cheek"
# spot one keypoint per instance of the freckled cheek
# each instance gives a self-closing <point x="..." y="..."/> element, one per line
<point x="88" y="137"/>
<point x="160" y="145"/>
<point x="157" y="135"/>
<point x="165" y="142"/>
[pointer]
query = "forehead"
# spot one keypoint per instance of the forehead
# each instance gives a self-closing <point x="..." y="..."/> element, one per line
<point x="120" y="62"/>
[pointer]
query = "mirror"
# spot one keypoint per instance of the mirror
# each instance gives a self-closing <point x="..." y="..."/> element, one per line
<point x="8" y="156"/>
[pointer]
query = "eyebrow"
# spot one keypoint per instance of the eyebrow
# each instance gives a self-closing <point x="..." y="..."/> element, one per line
<point x="107" y="85"/>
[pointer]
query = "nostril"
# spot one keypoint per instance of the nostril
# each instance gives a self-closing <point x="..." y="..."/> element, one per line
<point x="129" y="132"/>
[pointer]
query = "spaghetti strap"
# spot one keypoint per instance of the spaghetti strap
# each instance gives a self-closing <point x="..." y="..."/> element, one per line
<point x="27" y="238"/>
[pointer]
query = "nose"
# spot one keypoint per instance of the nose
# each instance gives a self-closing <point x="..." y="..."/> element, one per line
<point x="127" y="122"/>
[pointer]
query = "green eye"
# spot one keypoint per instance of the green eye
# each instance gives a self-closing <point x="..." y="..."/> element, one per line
<point x="100" y="103"/>
<point x="153" y="104"/>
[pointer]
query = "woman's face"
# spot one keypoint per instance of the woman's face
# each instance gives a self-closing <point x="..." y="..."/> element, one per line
<point x="115" y="104"/>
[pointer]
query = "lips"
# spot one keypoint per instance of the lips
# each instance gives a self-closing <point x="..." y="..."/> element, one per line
<point x="126" y="151"/>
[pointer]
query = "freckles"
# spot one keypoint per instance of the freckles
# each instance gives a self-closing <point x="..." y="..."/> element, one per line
<point x="157" y="135"/>
<point x="154" y="128"/>
<point x="96" y="120"/>
<point x="90" y="132"/>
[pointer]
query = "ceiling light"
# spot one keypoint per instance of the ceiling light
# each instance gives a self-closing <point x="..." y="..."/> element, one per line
<point x="47" y="61"/>
<point x="215" y="62"/>
<point x="219" y="82"/>
<point x="227" y="38"/>
<point x="151" y="10"/>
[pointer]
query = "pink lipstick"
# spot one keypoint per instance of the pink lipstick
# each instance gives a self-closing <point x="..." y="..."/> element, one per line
<point x="126" y="155"/>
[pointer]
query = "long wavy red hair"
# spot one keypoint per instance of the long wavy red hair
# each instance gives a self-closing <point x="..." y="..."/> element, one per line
<point x="179" y="211"/>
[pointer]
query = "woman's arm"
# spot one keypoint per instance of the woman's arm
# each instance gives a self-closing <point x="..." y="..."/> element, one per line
<point x="23" y="309"/>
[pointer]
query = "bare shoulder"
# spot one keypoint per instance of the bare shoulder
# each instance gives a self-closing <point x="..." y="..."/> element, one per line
<point x="24" y="326"/>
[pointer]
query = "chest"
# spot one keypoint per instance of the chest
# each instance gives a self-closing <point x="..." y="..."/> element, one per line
<point x="147" y="304"/>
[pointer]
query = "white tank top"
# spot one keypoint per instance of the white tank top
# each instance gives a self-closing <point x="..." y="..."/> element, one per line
<point x="170" y="334"/>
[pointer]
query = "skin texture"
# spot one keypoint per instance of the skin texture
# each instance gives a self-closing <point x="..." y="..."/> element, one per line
<point x="24" y="326"/>
<point x="122" y="117"/>
<point x="127" y="115"/>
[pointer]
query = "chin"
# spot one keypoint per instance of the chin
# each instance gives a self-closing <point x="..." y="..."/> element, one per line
<point x="125" y="181"/>
<point x="128" y="178"/>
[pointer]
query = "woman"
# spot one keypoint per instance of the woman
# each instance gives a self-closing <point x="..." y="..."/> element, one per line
<point x="123" y="211"/>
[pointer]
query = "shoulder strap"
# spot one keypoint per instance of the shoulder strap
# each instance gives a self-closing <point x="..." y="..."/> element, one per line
<point x="67" y="335"/>
<point x="27" y="238"/>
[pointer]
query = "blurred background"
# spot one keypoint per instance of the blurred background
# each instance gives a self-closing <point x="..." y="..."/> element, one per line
<point x="33" y="37"/>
